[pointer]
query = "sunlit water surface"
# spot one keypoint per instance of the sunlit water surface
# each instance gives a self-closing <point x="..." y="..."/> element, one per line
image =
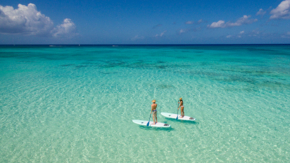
<point x="76" y="104"/>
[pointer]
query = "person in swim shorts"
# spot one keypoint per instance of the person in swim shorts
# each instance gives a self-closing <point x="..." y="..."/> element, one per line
<point x="180" y="102"/>
<point x="153" y="109"/>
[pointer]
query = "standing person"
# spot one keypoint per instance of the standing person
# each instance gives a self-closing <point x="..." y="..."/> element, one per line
<point x="180" y="102"/>
<point x="153" y="109"/>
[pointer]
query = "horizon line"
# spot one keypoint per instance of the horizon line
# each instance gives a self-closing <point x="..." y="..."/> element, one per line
<point x="132" y="44"/>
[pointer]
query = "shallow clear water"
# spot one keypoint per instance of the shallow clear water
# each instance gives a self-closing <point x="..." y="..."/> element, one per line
<point x="76" y="104"/>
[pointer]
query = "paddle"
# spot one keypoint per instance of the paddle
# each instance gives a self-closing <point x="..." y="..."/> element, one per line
<point x="149" y="120"/>
<point x="177" y="111"/>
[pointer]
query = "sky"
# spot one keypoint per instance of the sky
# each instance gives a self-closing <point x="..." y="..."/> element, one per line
<point x="144" y="22"/>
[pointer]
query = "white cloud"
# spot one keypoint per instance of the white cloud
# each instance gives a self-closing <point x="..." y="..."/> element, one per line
<point x="192" y="22"/>
<point x="243" y="20"/>
<point x="24" y="20"/>
<point x="219" y="24"/>
<point x="161" y="34"/>
<point x="287" y="35"/>
<point x="181" y="31"/>
<point x="281" y="11"/>
<point x="228" y="36"/>
<point x="254" y="33"/>
<point x="189" y="22"/>
<point x="27" y="20"/>
<point x="242" y="32"/>
<point x="261" y="12"/>
<point x="137" y="38"/>
<point x="66" y="29"/>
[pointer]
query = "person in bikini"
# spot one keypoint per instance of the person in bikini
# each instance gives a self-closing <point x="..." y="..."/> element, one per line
<point x="153" y="109"/>
<point x="180" y="102"/>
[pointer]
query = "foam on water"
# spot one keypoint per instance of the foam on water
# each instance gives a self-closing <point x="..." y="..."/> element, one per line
<point x="76" y="104"/>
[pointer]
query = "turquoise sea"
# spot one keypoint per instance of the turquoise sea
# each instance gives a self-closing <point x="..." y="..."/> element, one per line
<point x="77" y="103"/>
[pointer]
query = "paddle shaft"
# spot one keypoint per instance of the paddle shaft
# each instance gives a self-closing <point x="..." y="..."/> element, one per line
<point x="177" y="110"/>
<point x="149" y="120"/>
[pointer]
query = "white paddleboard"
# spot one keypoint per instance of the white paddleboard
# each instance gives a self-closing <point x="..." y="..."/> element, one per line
<point x="173" y="116"/>
<point x="151" y="124"/>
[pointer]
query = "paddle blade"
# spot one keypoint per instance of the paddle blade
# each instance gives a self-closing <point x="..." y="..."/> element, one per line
<point x="177" y="117"/>
<point x="149" y="120"/>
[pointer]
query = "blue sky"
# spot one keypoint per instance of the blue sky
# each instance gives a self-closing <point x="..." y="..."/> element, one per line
<point x="144" y="22"/>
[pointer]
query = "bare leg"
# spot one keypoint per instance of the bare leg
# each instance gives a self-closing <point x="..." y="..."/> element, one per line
<point x="153" y="119"/>
<point x="182" y="112"/>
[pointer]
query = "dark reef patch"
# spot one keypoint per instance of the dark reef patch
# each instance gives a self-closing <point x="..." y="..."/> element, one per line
<point x="55" y="58"/>
<point x="207" y="63"/>
<point x="164" y="86"/>
<point x="160" y="62"/>
<point x="15" y="55"/>
<point x="80" y="66"/>
<point x="272" y="85"/>
<point x="26" y="61"/>
<point x="252" y="82"/>
<point x="138" y="64"/>
<point x="102" y="51"/>
<point x="66" y="65"/>
<point x="268" y="51"/>
<point x="252" y="71"/>
<point x="161" y="67"/>
<point x="262" y="50"/>
<point x="231" y="79"/>
<point x="112" y="64"/>
<point x="108" y="72"/>
<point x="238" y="60"/>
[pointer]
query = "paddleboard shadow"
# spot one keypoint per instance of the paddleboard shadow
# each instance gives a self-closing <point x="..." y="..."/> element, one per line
<point x="157" y="125"/>
<point x="188" y="122"/>
<point x="156" y="129"/>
